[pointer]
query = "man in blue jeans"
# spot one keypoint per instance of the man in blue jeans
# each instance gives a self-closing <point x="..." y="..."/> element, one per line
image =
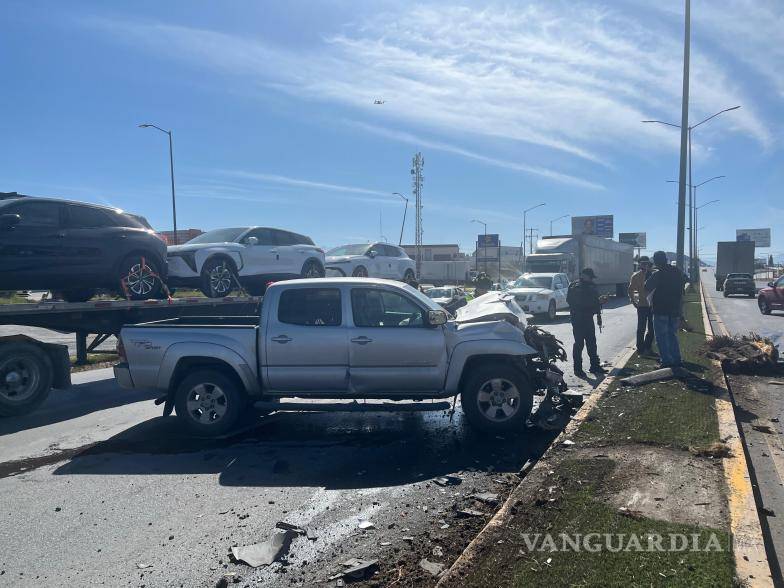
<point x="666" y="290"/>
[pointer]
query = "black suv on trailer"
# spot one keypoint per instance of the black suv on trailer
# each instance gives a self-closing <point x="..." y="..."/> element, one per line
<point x="75" y="248"/>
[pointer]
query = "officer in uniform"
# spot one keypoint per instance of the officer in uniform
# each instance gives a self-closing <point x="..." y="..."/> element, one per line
<point x="483" y="284"/>
<point x="584" y="302"/>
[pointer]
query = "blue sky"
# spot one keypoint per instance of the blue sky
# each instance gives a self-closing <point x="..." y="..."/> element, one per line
<point x="511" y="104"/>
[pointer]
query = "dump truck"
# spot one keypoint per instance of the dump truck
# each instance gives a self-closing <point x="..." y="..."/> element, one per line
<point x="613" y="262"/>
<point x="733" y="257"/>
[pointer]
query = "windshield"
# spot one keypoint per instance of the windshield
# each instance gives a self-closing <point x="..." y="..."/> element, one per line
<point x="348" y="250"/>
<point x="534" y="282"/>
<point x="439" y="293"/>
<point x="219" y="236"/>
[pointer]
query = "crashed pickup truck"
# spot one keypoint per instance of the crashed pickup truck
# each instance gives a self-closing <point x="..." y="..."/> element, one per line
<point x="343" y="339"/>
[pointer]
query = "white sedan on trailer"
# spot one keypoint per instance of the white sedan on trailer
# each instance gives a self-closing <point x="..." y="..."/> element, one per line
<point x="541" y="294"/>
<point x="371" y="260"/>
<point x="254" y="255"/>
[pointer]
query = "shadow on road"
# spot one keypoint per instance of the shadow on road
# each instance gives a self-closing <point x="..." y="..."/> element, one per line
<point x="335" y="451"/>
<point x="76" y="401"/>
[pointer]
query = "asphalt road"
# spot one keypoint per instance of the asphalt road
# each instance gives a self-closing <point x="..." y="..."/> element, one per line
<point x="759" y="408"/>
<point x="98" y="488"/>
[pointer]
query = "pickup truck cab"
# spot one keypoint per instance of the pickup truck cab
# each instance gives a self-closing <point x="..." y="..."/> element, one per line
<point x="337" y="338"/>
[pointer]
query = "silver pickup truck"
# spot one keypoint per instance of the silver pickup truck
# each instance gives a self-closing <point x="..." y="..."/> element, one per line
<point x="341" y="339"/>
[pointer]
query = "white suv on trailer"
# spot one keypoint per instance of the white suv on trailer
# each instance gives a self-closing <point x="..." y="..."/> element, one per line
<point x="371" y="260"/>
<point x="541" y="294"/>
<point x="254" y="255"/>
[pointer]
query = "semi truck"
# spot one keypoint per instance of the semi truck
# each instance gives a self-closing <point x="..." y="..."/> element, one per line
<point x="613" y="262"/>
<point x="440" y="273"/>
<point x="733" y="257"/>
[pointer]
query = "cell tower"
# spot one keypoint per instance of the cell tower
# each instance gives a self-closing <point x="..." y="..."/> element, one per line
<point x="416" y="182"/>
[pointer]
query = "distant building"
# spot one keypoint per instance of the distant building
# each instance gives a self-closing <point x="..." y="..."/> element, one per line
<point x="437" y="252"/>
<point x="183" y="236"/>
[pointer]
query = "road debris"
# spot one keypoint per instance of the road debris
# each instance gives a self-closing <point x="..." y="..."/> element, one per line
<point x="143" y="566"/>
<point x="228" y="578"/>
<point x="432" y="567"/>
<point x="746" y="353"/>
<point x="490" y="498"/>
<point x="632" y="514"/>
<point x="290" y="527"/>
<point x="311" y="534"/>
<point x="568" y="443"/>
<point x="448" y="481"/>
<point x="648" y="377"/>
<point x="358" y="569"/>
<point x="263" y="554"/>
<point x="763" y="429"/>
<point x="714" y="450"/>
<point x="366" y="525"/>
<point x="469" y="512"/>
<point x="438" y="551"/>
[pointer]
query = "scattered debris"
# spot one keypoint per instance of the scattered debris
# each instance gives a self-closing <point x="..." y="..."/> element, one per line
<point x="648" y="377"/>
<point x="366" y="525"/>
<point x="228" y="578"/>
<point x="408" y="539"/>
<point x="311" y="534"/>
<point x="290" y="527"/>
<point x="448" y="481"/>
<point x="568" y="442"/>
<point x="632" y="514"/>
<point x="469" y="512"/>
<point x="776" y="383"/>
<point x="763" y="429"/>
<point x="438" y="551"/>
<point x="767" y="512"/>
<point x="433" y="568"/>
<point x="143" y="566"/>
<point x="490" y="498"/>
<point x="715" y="450"/>
<point x="746" y="353"/>
<point x="263" y="554"/>
<point x="359" y="568"/>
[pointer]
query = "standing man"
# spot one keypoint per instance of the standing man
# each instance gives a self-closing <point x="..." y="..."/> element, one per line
<point x="639" y="298"/>
<point x="483" y="284"/>
<point x="665" y="287"/>
<point x="584" y="302"/>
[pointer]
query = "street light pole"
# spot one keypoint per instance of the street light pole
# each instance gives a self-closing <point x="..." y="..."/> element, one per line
<point x="171" y="171"/>
<point x="684" y="138"/>
<point x="525" y="213"/>
<point x="405" y="210"/>
<point x="485" y="242"/>
<point x="554" y="220"/>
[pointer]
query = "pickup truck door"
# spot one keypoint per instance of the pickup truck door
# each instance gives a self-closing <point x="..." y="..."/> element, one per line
<point x="306" y="342"/>
<point x="391" y="349"/>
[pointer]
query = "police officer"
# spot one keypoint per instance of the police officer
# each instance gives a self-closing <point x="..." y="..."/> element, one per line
<point x="584" y="302"/>
<point x="483" y="284"/>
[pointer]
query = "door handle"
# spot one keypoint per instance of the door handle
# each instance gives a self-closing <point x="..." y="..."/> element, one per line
<point x="362" y="340"/>
<point x="283" y="339"/>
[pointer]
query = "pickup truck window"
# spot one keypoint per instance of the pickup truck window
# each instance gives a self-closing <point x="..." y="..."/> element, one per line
<point x="311" y="307"/>
<point x="382" y="308"/>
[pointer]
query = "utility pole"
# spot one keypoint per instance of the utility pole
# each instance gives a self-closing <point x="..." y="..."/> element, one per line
<point x="522" y="243"/>
<point x="684" y="139"/>
<point x="416" y="183"/>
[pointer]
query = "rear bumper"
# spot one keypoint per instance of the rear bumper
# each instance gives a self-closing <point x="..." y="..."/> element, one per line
<point x="122" y="373"/>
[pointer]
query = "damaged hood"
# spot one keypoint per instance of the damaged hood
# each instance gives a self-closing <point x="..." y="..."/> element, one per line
<point x="493" y="306"/>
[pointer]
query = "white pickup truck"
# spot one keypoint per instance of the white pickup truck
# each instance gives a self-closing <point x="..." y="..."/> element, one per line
<point x="343" y="339"/>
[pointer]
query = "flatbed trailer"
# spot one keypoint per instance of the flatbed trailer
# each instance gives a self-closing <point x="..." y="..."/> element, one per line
<point x="29" y="368"/>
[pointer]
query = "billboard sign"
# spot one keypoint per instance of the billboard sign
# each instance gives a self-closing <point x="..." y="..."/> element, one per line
<point x="634" y="239"/>
<point x="761" y="237"/>
<point x="601" y="225"/>
<point x="487" y="240"/>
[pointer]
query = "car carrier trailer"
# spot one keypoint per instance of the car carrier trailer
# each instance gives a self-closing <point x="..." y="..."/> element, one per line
<point x="30" y="368"/>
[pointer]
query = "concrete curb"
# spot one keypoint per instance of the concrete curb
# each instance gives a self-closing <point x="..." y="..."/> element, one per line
<point x="499" y="519"/>
<point x="751" y="562"/>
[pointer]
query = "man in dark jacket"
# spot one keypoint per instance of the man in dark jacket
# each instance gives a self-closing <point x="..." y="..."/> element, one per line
<point x="584" y="302"/>
<point x="665" y="287"/>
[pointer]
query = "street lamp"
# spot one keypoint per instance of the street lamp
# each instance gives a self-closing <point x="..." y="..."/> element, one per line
<point x="483" y="223"/>
<point x="525" y="213"/>
<point x="693" y="216"/>
<point x="405" y="210"/>
<point x="691" y="205"/>
<point x="554" y="220"/>
<point x="171" y="170"/>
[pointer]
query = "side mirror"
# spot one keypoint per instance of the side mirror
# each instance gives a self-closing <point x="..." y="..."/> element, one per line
<point x="9" y="220"/>
<point x="771" y="284"/>
<point x="252" y="241"/>
<point x="436" y="317"/>
<point x="372" y="253"/>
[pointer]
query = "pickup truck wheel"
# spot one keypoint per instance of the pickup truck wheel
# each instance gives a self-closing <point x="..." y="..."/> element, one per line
<point x="552" y="311"/>
<point x="208" y="403"/>
<point x="25" y="378"/>
<point x="496" y="399"/>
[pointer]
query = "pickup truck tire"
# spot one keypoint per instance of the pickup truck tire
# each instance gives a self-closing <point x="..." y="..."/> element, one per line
<point x="552" y="311"/>
<point x="496" y="398"/>
<point x="209" y="403"/>
<point x="25" y="378"/>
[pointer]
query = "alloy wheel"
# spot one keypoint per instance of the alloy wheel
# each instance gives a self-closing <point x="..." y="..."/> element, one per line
<point x="498" y="399"/>
<point x="220" y="279"/>
<point x="206" y="403"/>
<point x="141" y="279"/>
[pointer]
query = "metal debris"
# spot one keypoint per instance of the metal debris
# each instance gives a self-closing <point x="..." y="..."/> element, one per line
<point x="143" y="566"/>
<point x="263" y="554"/>
<point x="490" y="498"/>
<point x="433" y="568"/>
<point x="568" y="442"/>
<point x="359" y="568"/>
<point x="311" y="534"/>
<point x="448" y="481"/>
<point x="469" y="512"/>
<point x="290" y="527"/>
<point x="366" y="525"/>
<point x="438" y="551"/>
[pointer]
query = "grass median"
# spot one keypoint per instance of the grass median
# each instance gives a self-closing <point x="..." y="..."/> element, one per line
<point x="574" y="492"/>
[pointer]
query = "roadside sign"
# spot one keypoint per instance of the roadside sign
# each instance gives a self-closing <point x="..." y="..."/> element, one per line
<point x="487" y="240"/>
<point x="761" y="237"/>
<point x="600" y="225"/>
<point x="634" y="239"/>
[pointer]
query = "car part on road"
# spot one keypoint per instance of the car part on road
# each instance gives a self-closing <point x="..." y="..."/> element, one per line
<point x="209" y="403"/>
<point x="263" y="554"/>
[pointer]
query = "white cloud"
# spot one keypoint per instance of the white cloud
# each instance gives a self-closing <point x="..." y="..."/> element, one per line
<point x="573" y="78"/>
